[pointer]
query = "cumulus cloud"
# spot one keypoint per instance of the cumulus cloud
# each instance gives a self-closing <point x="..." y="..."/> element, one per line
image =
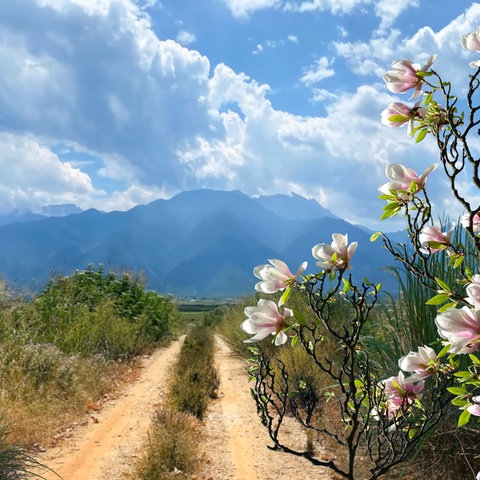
<point x="317" y="72"/>
<point x="36" y="176"/>
<point x="93" y="73"/>
<point x="375" y="56"/>
<point x="156" y="118"/>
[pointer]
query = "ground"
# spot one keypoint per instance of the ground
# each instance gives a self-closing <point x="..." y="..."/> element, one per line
<point x="107" y="444"/>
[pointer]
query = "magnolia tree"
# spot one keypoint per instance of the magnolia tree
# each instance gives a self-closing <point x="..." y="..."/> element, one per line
<point x="385" y="419"/>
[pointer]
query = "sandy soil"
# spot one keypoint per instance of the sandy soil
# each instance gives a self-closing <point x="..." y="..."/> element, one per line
<point x="234" y="441"/>
<point x="106" y="447"/>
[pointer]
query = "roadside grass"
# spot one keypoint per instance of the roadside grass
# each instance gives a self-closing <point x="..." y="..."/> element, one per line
<point x="64" y="349"/>
<point x="172" y="450"/>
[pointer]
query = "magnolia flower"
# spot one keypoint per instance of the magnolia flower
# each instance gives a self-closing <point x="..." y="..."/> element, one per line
<point x="473" y="292"/>
<point x="336" y="255"/>
<point x="461" y="328"/>
<point x="398" y="114"/>
<point x="400" y="392"/>
<point x="407" y="75"/>
<point x="465" y="221"/>
<point x="421" y="363"/>
<point x="433" y="239"/>
<point x="471" y="41"/>
<point x="475" y="410"/>
<point x="401" y="178"/>
<point x="276" y="277"/>
<point x="264" y="320"/>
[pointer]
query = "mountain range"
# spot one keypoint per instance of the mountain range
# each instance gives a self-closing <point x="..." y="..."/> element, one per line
<point x="202" y="243"/>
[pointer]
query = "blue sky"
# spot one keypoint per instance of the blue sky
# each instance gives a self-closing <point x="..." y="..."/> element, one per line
<point x="112" y="103"/>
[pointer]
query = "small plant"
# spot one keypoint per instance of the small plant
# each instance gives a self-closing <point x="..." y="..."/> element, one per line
<point x="15" y="462"/>
<point x="195" y="379"/>
<point x="172" y="447"/>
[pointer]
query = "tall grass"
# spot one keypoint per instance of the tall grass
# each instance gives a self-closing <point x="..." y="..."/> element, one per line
<point x="403" y="324"/>
<point x="65" y="347"/>
<point x="172" y="450"/>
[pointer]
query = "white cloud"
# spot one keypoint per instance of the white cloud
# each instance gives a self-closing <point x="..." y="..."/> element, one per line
<point x="37" y="177"/>
<point x="389" y="10"/>
<point x="334" y="6"/>
<point x="272" y="44"/>
<point x="317" y="72"/>
<point x="186" y="38"/>
<point x="93" y="73"/>
<point x="243" y="8"/>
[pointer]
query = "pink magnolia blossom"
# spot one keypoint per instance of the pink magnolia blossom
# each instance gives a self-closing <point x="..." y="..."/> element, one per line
<point x="335" y="255"/>
<point x="475" y="409"/>
<point x="264" y="320"/>
<point x="276" y="276"/>
<point x="473" y="292"/>
<point x="433" y="239"/>
<point x="401" y="178"/>
<point x="400" y="392"/>
<point x="405" y="76"/>
<point x="465" y="221"/>
<point x="421" y="363"/>
<point x="398" y="114"/>
<point x="461" y="328"/>
<point x="471" y="41"/>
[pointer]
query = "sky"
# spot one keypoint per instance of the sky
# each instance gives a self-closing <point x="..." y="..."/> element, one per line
<point x="112" y="103"/>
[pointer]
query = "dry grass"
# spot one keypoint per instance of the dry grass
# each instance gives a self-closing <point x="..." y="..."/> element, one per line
<point x="172" y="449"/>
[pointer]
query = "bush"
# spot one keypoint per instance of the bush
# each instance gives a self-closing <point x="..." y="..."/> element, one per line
<point x="172" y="447"/>
<point x="195" y="379"/>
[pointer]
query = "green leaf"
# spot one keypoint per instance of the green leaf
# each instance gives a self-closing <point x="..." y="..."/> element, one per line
<point x="474" y="359"/>
<point x="464" y="418"/>
<point x="458" y="261"/>
<point x="444" y="350"/>
<point x="459" y="402"/>
<point x="294" y="340"/>
<point x="421" y="135"/>
<point x="457" y="390"/>
<point x="447" y="306"/>
<point x="438" y="299"/>
<point x="444" y="286"/>
<point x="375" y="236"/>
<point x="285" y="296"/>
<point x="346" y="285"/>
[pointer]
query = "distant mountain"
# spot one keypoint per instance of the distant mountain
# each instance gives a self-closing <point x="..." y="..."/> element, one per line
<point x="201" y="243"/>
<point x="61" y="210"/>
<point x="294" y="207"/>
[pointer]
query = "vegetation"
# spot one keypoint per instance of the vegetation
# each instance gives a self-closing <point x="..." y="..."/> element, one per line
<point x="67" y="346"/>
<point x="172" y="449"/>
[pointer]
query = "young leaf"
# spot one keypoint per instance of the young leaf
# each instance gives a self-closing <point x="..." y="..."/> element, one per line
<point x="464" y="418"/>
<point x="444" y="286"/>
<point x="437" y="299"/>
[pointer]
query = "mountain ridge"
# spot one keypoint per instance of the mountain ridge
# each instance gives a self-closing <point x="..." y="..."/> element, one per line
<point x="202" y="243"/>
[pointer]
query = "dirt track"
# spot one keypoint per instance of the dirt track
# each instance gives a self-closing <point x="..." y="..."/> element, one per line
<point x="109" y="444"/>
<point x="234" y="446"/>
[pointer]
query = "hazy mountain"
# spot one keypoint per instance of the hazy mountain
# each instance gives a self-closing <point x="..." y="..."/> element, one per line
<point x="46" y="211"/>
<point x="199" y="243"/>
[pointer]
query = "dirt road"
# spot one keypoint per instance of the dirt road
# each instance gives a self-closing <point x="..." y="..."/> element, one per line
<point x="109" y="444"/>
<point x="234" y="441"/>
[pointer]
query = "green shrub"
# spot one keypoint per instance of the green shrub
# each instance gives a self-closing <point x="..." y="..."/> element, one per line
<point x="172" y="448"/>
<point x="195" y="379"/>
